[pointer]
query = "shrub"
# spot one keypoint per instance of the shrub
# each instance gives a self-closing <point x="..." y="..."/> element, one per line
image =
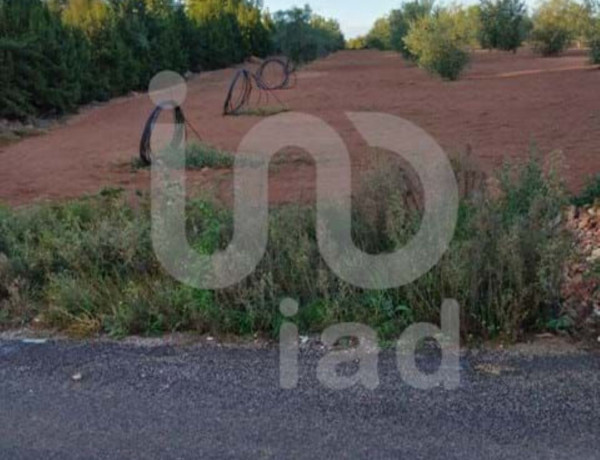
<point x="200" y="156"/>
<point x="556" y="23"/>
<point x="379" y="36"/>
<point x="304" y="36"/>
<point x="400" y="22"/>
<point x="358" y="43"/>
<point x="549" y="39"/>
<point x="594" y="44"/>
<point x="467" y="24"/>
<point x="503" y="24"/>
<point x="438" y="45"/>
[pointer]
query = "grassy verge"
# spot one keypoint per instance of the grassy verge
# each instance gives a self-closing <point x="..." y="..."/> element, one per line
<point x="87" y="266"/>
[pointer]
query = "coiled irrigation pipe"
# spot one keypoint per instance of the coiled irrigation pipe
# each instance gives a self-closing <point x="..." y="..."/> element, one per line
<point x="180" y="123"/>
<point x="282" y="70"/>
<point x="239" y="92"/>
<point x="243" y="82"/>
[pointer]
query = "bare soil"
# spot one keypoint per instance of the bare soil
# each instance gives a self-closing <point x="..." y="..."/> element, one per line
<point x="503" y="104"/>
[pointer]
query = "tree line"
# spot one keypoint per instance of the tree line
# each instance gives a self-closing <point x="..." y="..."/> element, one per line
<point x="58" y="54"/>
<point x="439" y="38"/>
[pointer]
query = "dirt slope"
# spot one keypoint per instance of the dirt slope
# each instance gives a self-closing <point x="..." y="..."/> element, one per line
<point x="503" y="103"/>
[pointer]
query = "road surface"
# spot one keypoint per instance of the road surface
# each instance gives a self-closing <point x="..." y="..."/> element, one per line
<point x="101" y="400"/>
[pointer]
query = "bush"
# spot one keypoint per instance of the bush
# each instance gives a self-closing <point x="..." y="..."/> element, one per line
<point x="358" y="43"/>
<point x="549" y="39"/>
<point x="400" y="22"/>
<point x="556" y="23"/>
<point x="379" y="36"/>
<point x="503" y="24"/>
<point x="438" y="46"/>
<point x="304" y="36"/>
<point x="88" y="265"/>
<point x="594" y="45"/>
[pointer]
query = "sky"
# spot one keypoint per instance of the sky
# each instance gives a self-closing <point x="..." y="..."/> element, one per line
<point x="355" y="16"/>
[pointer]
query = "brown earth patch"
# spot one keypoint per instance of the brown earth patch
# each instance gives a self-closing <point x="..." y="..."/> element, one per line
<point x="503" y="103"/>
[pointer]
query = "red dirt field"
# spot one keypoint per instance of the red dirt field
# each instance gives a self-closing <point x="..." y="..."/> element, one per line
<point x="502" y="104"/>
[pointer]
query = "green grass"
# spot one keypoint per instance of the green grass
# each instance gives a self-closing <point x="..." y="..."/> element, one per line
<point x="87" y="266"/>
<point x="198" y="156"/>
<point x="266" y="111"/>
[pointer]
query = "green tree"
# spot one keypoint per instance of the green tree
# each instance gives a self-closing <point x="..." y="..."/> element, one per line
<point x="56" y="54"/>
<point x="401" y="20"/>
<point x="557" y="23"/>
<point x="39" y="58"/>
<point x="503" y="24"/>
<point x="327" y="33"/>
<point x="467" y="23"/>
<point x="439" y="44"/>
<point x="379" y="37"/>
<point x="256" y="38"/>
<point x="220" y="31"/>
<point x="593" y="35"/>
<point x="304" y="36"/>
<point x="86" y="15"/>
<point x="357" y="43"/>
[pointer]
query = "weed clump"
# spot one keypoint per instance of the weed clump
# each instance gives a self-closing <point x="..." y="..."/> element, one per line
<point x="197" y="156"/>
<point x="590" y="194"/>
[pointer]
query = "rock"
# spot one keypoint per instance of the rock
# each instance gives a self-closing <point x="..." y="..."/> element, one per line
<point x="584" y="222"/>
<point x="594" y="256"/>
<point x="34" y="341"/>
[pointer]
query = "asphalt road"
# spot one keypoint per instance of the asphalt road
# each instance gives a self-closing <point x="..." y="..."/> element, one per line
<point x="205" y="402"/>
